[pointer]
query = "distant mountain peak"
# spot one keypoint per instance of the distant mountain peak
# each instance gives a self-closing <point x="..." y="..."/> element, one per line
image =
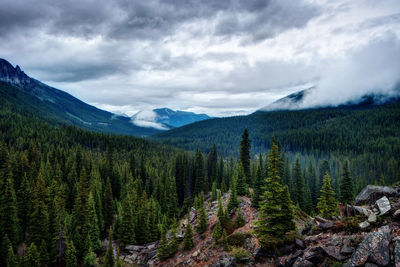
<point x="166" y="118"/>
<point x="12" y="75"/>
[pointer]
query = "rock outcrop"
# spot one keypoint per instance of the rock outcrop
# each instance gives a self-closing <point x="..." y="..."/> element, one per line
<point x="372" y="193"/>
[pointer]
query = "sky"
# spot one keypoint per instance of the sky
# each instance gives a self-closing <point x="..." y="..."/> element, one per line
<point x="219" y="57"/>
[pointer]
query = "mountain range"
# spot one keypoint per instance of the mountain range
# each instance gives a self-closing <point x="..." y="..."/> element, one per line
<point x="59" y="107"/>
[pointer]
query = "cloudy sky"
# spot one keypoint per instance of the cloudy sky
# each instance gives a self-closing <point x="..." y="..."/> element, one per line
<point x="221" y="57"/>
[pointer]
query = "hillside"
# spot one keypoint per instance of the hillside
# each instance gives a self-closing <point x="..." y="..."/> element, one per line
<point x="353" y="129"/>
<point x="58" y="107"/>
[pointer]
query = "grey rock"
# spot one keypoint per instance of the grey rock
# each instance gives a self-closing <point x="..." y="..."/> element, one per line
<point x="374" y="248"/>
<point x="289" y="260"/>
<point x="372" y="218"/>
<point x="383" y="205"/>
<point x="134" y="248"/>
<point x="326" y="226"/>
<point x="346" y="250"/>
<point x="334" y="252"/>
<point x="315" y="255"/>
<point x="300" y="262"/>
<point x="368" y="264"/>
<point x="226" y="261"/>
<point x="260" y="253"/>
<point x="193" y="214"/>
<point x="396" y="214"/>
<point x="396" y="252"/>
<point x="363" y="225"/>
<point x="299" y="243"/>
<point x="372" y="193"/>
<point x="336" y="240"/>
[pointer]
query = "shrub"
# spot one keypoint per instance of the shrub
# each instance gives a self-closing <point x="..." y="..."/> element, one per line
<point x="239" y="253"/>
<point x="238" y="239"/>
<point x="350" y="224"/>
<point x="269" y="242"/>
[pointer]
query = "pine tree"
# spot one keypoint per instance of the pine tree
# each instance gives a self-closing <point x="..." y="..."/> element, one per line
<point x="276" y="213"/>
<point x="90" y="259"/>
<point x="5" y="244"/>
<point x="12" y="259"/>
<point x="202" y="224"/>
<point x="240" y="221"/>
<point x="174" y="244"/>
<point x="9" y="210"/>
<point x="241" y="187"/>
<point x="127" y="227"/>
<point x="163" y="248"/>
<point x="214" y="191"/>
<point x="39" y="218"/>
<point x="199" y="183"/>
<point x="298" y="197"/>
<point x="221" y="213"/>
<point x="258" y="185"/>
<point x="217" y="231"/>
<point x="327" y="205"/>
<point x="188" y="243"/>
<point x="233" y="201"/>
<point x="33" y="256"/>
<point x="70" y="254"/>
<point x="346" y="185"/>
<point x="24" y="204"/>
<point x="109" y="257"/>
<point x="118" y="262"/>
<point x="224" y="241"/>
<point x="108" y="207"/>
<point x="245" y="155"/>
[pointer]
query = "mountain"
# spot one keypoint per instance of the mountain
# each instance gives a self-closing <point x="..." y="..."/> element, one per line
<point x="59" y="107"/>
<point x="349" y="128"/>
<point x="292" y="101"/>
<point x="165" y="118"/>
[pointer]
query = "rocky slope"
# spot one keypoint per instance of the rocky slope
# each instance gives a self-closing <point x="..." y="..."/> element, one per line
<point x="367" y="235"/>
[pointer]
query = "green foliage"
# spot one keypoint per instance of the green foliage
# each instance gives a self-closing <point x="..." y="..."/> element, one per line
<point x="239" y="221"/>
<point x="108" y="260"/>
<point x="224" y="241"/>
<point x="202" y="224"/>
<point x="346" y="185"/>
<point x="188" y="243"/>
<point x="90" y="259"/>
<point x="258" y="184"/>
<point x="299" y="187"/>
<point x="163" y="250"/>
<point x="244" y="157"/>
<point x="238" y="239"/>
<point x="12" y="259"/>
<point x="239" y="253"/>
<point x="350" y="224"/>
<point x="33" y="257"/>
<point x="233" y="201"/>
<point x="327" y="205"/>
<point x="241" y="186"/>
<point x="276" y="212"/>
<point x="217" y="231"/>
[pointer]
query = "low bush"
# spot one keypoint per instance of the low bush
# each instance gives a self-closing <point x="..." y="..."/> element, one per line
<point x="238" y="239"/>
<point x="239" y="253"/>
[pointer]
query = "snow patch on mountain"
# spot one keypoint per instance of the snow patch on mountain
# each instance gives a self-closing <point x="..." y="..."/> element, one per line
<point x="148" y="119"/>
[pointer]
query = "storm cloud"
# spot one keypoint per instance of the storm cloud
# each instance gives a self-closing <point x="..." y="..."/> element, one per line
<point x="219" y="57"/>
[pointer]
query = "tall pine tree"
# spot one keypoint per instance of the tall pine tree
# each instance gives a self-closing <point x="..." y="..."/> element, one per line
<point x="245" y="154"/>
<point x="327" y="205"/>
<point x="346" y="185"/>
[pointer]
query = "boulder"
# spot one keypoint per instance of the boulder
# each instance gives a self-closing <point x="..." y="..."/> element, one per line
<point x="287" y="261"/>
<point x="326" y="226"/>
<point x="363" y="225"/>
<point x="314" y="255"/>
<point x="134" y="248"/>
<point x="372" y="218"/>
<point x="383" y="205"/>
<point x="372" y="193"/>
<point x="226" y="261"/>
<point x="357" y="210"/>
<point x="300" y="262"/>
<point x="334" y="252"/>
<point x="336" y="240"/>
<point x="374" y="248"/>
<point x="346" y="250"/>
<point x="396" y="252"/>
<point x="396" y="214"/>
<point x="299" y="243"/>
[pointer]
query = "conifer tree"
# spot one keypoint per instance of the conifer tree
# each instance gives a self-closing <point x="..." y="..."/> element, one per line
<point x="188" y="243"/>
<point x="240" y="221"/>
<point x="199" y="183"/>
<point x="258" y="185"/>
<point x="9" y="210"/>
<point x="108" y="205"/>
<point x="5" y="244"/>
<point x="217" y="231"/>
<point x="44" y="255"/>
<point x="12" y="259"/>
<point x="163" y="248"/>
<point x="245" y="154"/>
<point x="70" y="254"/>
<point x="241" y="187"/>
<point x="214" y="191"/>
<point x="90" y="259"/>
<point x="233" y="201"/>
<point x="298" y="182"/>
<point x="327" y="205"/>
<point x="202" y="224"/>
<point x="346" y="185"/>
<point x="220" y="212"/>
<point x="39" y="218"/>
<point x="224" y="241"/>
<point x="212" y="162"/>
<point x="109" y="257"/>
<point x="24" y="204"/>
<point x="33" y="256"/>
<point x="174" y="244"/>
<point x="276" y="213"/>
<point x="127" y="226"/>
